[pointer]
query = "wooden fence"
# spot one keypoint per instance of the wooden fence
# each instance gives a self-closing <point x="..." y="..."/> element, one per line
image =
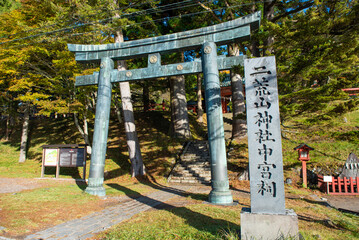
<point x="339" y="186"/>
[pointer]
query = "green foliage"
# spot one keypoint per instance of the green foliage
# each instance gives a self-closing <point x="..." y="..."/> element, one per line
<point x="8" y="5"/>
<point x="310" y="100"/>
<point x="311" y="48"/>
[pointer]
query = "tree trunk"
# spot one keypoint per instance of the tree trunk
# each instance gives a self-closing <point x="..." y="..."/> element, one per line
<point x="117" y="108"/>
<point x="25" y="133"/>
<point x="254" y="46"/>
<point x="268" y="13"/>
<point x="239" y="125"/>
<point x="130" y="129"/>
<point x="137" y="167"/>
<point x="199" y="99"/>
<point x="87" y="139"/>
<point x="179" y="107"/>
<point x="171" y="130"/>
<point x="83" y="132"/>
<point x="145" y="97"/>
<point x="9" y="126"/>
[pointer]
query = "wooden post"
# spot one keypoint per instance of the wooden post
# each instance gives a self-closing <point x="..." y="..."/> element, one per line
<point x="333" y="185"/>
<point x="345" y="185"/>
<point x="351" y="185"/>
<point x="357" y="180"/>
<point x="58" y="163"/>
<point x="304" y="173"/>
<point x="43" y="162"/>
<point x="84" y="163"/>
<point x="339" y="185"/>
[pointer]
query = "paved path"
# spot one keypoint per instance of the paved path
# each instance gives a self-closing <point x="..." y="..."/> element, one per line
<point x="92" y="224"/>
<point x="344" y="203"/>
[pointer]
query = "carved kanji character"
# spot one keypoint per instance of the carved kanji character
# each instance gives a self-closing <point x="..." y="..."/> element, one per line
<point x="264" y="118"/>
<point x="265" y="152"/>
<point x="262" y="103"/>
<point x="261" y="87"/>
<point x="266" y="187"/>
<point x="263" y="136"/>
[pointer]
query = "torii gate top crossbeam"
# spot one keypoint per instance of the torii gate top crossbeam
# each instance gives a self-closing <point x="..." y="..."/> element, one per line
<point x="224" y="33"/>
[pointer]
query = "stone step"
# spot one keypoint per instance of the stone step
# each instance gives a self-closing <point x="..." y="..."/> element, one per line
<point x="192" y="178"/>
<point x="190" y="181"/>
<point x="194" y="159"/>
<point x="192" y="165"/>
<point x="189" y="174"/>
<point x="195" y="170"/>
<point x="180" y="180"/>
<point x="196" y="173"/>
<point x="197" y="150"/>
<point x="193" y="156"/>
<point x="195" y="164"/>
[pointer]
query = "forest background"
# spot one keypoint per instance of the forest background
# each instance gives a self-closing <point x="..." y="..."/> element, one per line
<point x="315" y="44"/>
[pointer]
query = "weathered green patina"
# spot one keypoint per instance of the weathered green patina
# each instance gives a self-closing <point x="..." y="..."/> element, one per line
<point x="209" y="64"/>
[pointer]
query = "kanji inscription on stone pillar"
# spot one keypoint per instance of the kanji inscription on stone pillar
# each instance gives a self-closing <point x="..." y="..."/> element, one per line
<point x="264" y="136"/>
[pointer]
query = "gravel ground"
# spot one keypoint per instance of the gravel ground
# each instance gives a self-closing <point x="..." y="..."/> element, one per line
<point x="345" y="203"/>
<point x="9" y="185"/>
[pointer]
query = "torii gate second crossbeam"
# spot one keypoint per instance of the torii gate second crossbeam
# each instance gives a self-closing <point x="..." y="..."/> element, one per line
<point x="209" y="64"/>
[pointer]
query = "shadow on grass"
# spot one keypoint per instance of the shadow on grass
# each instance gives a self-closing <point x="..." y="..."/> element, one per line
<point x="197" y="220"/>
<point x="328" y="223"/>
<point x="240" y="190"/>
<point x="73" y="172"/>
<point x="115" y="154"/>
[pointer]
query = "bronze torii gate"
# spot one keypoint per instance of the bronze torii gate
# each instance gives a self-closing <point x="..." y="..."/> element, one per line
<point x="209" y="64"/>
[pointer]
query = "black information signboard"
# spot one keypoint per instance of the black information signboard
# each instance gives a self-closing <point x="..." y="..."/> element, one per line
<point x="72" y="157"/>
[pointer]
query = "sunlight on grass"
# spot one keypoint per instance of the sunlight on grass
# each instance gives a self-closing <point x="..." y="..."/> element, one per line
<point x="190" y="222"/>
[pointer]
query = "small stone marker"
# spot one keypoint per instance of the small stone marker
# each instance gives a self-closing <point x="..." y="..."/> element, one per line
<point x="267" y="218"/>
<point x="351" y="167"/>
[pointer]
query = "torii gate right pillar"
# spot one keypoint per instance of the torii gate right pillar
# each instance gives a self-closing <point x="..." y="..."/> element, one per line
<point x="220" y="193"/>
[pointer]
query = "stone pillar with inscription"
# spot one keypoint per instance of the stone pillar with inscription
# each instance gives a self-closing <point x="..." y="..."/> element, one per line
<point x="267" y="218"/>
<point x="220" y="193"/>
<point x="99" y="143"/>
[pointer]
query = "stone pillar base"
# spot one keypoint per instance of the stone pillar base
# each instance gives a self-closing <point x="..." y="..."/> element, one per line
<point x="269" y="226"/>
<point x="95" y="187"/>
<point x="221" y="197"/>
<point x="97" y="191"/>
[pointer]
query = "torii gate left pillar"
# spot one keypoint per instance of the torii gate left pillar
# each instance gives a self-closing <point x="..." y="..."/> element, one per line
<point x="102" y="118"/>
<point x="210" y="64"/>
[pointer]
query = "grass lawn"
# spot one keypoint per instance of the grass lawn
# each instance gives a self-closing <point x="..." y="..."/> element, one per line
<point x="203" y="221"/>
<point x="57" y="201"/>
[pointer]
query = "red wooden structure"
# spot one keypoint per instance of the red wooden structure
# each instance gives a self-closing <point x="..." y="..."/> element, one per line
<point x="152" y="107"/>
<point x="303" y="156"/>
<point x="339" y="186"/>
<point x="351" y="91"/>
